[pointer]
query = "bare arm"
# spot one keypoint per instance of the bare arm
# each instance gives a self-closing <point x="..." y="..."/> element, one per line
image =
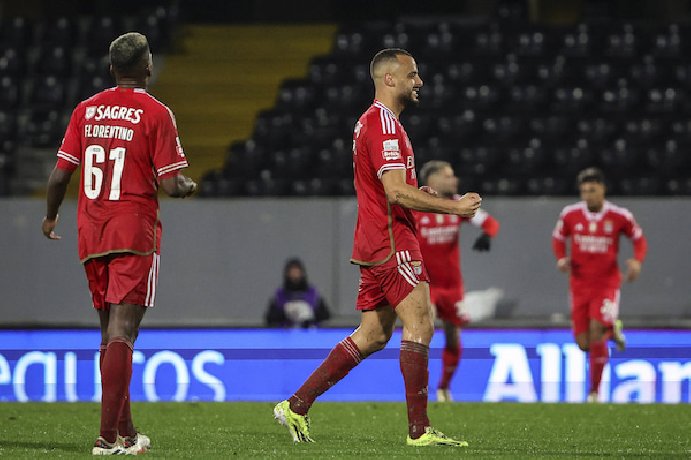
<point x="400" y="193"/>
<point x="57" y="186"/>
<point x="178" y="186"/>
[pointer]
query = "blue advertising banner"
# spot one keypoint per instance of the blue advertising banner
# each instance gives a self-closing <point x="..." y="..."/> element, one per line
<point x="268" y="365"/>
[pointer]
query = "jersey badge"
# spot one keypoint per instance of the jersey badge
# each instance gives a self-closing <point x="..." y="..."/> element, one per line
<point x="417" y="267"/>
<point x="608" y="226"/>
<point x="391" y="150"/>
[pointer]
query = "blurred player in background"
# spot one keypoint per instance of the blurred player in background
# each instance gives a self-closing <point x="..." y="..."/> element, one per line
<point x="594" y="226"/>
<point x="127" y="145"/>
<point x="393" y="279"/>
<point x="439" y="242"/>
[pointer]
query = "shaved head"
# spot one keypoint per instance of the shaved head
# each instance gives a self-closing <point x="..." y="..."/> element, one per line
<point x="383" y="60"/>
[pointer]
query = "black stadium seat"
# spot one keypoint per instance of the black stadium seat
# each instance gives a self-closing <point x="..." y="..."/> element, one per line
<point x="516" y="107"/>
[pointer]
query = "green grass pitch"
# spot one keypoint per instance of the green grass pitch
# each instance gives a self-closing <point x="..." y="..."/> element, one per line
<point x="365" y="430"/>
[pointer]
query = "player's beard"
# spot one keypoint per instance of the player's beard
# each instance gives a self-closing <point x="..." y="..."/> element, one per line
<point x="408" y="99"/>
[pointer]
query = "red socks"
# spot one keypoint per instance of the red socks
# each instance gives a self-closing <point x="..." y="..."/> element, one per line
<point x="125" y="425"/>
<point x="598" y="356"/>
<point x="344" y="357"/>
<point x="116" y="371"/>
<point x="414" y="361"/>
<point x="449" y="361"/>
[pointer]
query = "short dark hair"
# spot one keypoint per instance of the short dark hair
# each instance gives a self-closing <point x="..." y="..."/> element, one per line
<point x="432" y="167"/>
<point x="591" y="175"/>
<point x="128" y="50"/>
<point x="387" y="54"/>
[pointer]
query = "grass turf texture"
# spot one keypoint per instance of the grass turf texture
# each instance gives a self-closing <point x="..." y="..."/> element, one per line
<point x="348" y="430"/>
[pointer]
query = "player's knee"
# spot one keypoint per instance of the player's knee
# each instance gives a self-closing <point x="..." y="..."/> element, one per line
<point x="378" y="342"/>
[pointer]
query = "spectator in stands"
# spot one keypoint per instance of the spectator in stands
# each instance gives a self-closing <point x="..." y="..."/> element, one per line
<point x="297" y="303"/>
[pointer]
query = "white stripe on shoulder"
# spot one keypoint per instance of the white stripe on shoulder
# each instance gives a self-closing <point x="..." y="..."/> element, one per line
<point x="571" y="208"/>
<point x="619" y="210"/>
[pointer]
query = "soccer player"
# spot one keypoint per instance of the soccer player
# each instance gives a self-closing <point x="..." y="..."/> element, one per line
<point x="127" y="145"/>
<point x="438" y="235"/>
<point x="594" y="226"/>
<point x="393" y="279"/>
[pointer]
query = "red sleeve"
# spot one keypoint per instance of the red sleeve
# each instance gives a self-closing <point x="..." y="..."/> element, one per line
<point x="385" y="143"/>
<point x="559" y="238"/>
<point x="70" y="151"/>
<point x="559" y="248"/>
<point x="640" y="248"/>
<point x="633" y="231"/>
<point x="482" y="219"/>
<point x="490" y="226"/>
<point x="169" y="157"/>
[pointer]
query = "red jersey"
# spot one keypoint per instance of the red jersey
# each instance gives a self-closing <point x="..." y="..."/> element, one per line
<point x="438" y="235"/>
<point x="595" y="242"/>
<point x="126" y="141"/>
<point x="381" y="144"/>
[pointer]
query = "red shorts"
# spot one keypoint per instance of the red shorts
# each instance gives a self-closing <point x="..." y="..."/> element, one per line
<point x="601" y="304"/>
<point x="448" y="303"/>
<point x="123" y="278"/>
<point x="390" y="282"/>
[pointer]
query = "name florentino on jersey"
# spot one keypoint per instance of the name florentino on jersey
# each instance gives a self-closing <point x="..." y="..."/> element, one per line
<point x="109" y="132"/>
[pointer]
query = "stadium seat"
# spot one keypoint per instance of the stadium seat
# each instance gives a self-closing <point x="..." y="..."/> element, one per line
<point x="266" y="186"/>
<point x="547" y="186"/>
<point x="44" y="128"/>
<point x="12" y="62"/>
<point x="623" y="156"/>
<point x="570" y="159"/>
<point x="16" y="33"/>
<point x="525" y="160"/>
<point x="59" y="32"/>
<point x="100" y="32"/>
<point x="9" y="92"/>
<point x="646" y="185"/>
<point x="678" y="186"/>
<point x="295" y="95"/>
<point x="47" y="93"/>
<point x="669" y="159"/>
<point x="517" y="108"/>
<point x="504" y="186"/>
<point x="54" y="61"/>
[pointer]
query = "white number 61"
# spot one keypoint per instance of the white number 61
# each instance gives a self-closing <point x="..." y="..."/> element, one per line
<point x="93" y="175"/>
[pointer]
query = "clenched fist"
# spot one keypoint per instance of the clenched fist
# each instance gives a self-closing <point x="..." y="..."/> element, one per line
<point x="468" y="204"/>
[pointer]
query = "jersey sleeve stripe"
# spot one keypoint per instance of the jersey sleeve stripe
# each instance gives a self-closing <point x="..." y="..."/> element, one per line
<point x="172" y="167"/>
<point x="67" y="157"/>
<point x="388" y="124"/>
<point x="388" y="167"/>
